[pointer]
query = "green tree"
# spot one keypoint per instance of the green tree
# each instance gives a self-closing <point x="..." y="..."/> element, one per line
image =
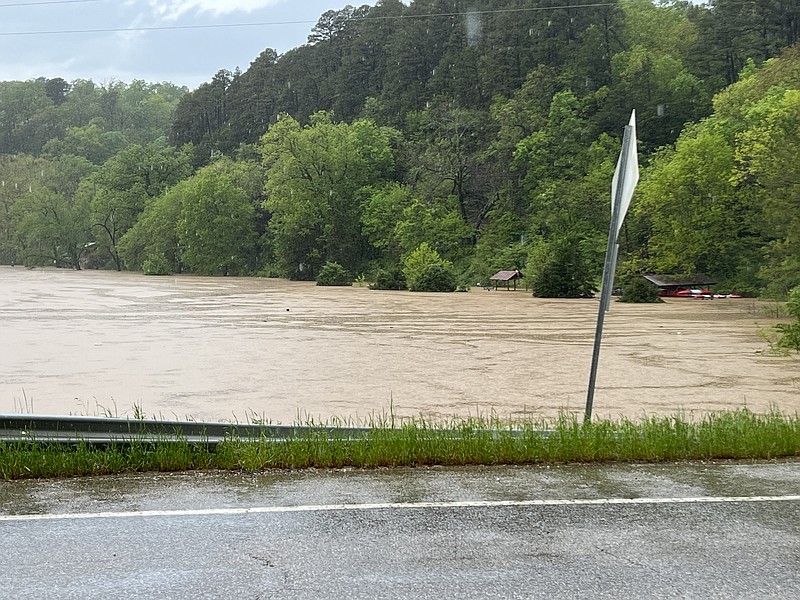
<point x="19" y="174"/>
<point x="119" y="191"/>
<point x="698" y="220"/>
<point x="314" y="182"/>
<point x="425" y="271"/>
<point x="334" y="274"/>
<point x="558" y="269"/>
<point x="382" y="209"/>
<point x="89" y="142"/>
<point x="216" y="229"/>
<point x="790" y="332"/>
<point x="52" y="229"/>
<point x="638" y="290"/>
<point x="154" y="236"/>
<point x="767" y="162"/>
<point x="22" y="104"/>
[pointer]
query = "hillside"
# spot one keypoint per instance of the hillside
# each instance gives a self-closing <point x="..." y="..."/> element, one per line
<point x="489" y="136"/>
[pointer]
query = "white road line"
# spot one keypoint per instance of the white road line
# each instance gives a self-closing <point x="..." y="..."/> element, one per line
<point x="393" y="506"/>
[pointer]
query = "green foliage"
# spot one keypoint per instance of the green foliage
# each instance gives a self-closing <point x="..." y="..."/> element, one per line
<point x="81" y="118"/>
<point x="216" y="229"/>
<point x="726" y="435"/>
<point x="156" y="264"/>
<point x="155" y="232"/>
<point x="501" y="247"/>
<point x="121" y="188"/>
<point x="790" y="336"/>
<point x="314" y="181"/>
<point x="790" y="332"/>
<point x="383" y="211"/>
<point x="639" y="290"/>
<point x="415" y="268"/>
<point x="334" y="274"/>
<point x="558" y="269"/>
<point x="436" y="277"/>
<point x="499" y="137"/>
<point x="389" y="279"/>
<point x="51" y="223"/>
<point x="793" y="304"/>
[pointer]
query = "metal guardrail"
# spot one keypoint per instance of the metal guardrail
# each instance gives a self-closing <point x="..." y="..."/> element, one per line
<point x="106" y="431"/>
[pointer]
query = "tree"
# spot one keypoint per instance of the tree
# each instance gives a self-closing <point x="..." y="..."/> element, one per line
<point x="19" y="174"/>
<point x="334" y="274"/>
<point x="790" y="332"/>
<point x="767" y="161"/>
<point x="52" y="229"/>
<point x="23" y="105"/>
<point x="216" y="229"/>
<point x="50" y="221"/>
<point x="448" y="145"/>
<point x="558" y="269"/>
<point x="154" y="236"/>
<point x="314" y="177"/>
<point x="638" y="290"/>
<point x="89" y="142"/>
<point x="425" y="271"/>
<point x="119" y="191"/>
<point x="698" y="220"/>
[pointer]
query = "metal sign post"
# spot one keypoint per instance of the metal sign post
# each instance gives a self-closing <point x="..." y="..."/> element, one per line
<point x="625" y="178"/>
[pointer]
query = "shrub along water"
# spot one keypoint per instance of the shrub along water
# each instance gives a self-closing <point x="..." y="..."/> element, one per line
<point x="738" y="434"/>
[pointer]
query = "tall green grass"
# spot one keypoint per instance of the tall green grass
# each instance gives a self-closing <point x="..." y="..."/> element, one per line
<point x="739" y="434"/>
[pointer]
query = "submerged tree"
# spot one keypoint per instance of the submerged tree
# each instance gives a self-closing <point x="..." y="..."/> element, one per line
<point x="314" y="179"/>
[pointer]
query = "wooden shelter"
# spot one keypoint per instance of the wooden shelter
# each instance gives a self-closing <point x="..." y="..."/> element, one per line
<point x="505" y="277"/>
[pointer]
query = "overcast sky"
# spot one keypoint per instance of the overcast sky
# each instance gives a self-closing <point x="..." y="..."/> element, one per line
<point x="185" y="57"/>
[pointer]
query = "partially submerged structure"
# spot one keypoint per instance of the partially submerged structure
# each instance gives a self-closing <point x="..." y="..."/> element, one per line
<point x="505" y="278"/>
<point x="670" y="285"/>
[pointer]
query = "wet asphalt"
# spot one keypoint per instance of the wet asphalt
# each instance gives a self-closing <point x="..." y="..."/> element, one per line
<point x="398" y="534"/>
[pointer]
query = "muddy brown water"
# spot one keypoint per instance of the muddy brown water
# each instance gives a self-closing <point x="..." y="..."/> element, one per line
<point x="95" y="342"/>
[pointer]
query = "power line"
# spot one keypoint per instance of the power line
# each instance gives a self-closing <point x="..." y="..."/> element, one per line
<point x="485" y="12"/>
<point x="277" y="23"/>
<point x="44" y="2"/>
<point x="152" y="28"/>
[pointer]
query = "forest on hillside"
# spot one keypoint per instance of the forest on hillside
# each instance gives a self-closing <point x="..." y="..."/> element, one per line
<point x="472" y="135"/>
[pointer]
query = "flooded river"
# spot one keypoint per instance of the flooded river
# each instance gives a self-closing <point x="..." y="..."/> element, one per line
<point x="95" y="342"/>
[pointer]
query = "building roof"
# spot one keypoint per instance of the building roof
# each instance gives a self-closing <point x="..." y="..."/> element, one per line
<point x="662" y="281"/>
<point x="505" y="276"/>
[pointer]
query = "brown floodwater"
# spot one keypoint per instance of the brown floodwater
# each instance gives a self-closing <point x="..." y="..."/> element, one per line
<point x="98" y="342"/>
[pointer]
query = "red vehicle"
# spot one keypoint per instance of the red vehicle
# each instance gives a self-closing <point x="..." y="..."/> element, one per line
<point x="694" y="293"/>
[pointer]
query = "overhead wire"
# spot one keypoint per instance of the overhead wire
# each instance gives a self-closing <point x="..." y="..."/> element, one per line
<point x="45" y="2"/>
<point x="277" y="23"/>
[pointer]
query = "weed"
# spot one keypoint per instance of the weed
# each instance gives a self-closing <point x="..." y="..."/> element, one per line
<point x="739" y="434"/>
<point x="772" y="339"/>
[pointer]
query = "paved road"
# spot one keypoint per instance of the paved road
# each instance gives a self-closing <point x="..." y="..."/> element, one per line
<point x="620" y="531"/>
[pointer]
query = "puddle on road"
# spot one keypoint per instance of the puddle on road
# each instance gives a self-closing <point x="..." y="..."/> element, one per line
<point x="240" y="349"/>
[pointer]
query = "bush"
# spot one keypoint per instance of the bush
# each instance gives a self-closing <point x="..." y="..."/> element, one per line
<point x="558" y="269"/>
<point x="425" y="271"/>
<point x="793" y="305"/>
<point x="435" y="278"/>
<point x="790" y="337"/>
<point x="389" y="279"/>
<point x="156" y="264"/>
<point x="332" y="273"/>
<point x="640" y="290"/>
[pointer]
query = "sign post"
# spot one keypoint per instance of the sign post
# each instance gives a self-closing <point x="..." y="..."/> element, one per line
<point x="625" y="178"/>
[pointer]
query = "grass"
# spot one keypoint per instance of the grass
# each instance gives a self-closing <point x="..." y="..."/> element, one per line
<point x="739" y="434"/>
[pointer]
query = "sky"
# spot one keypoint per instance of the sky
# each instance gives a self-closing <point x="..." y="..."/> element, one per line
<point x="186" y="57"/>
